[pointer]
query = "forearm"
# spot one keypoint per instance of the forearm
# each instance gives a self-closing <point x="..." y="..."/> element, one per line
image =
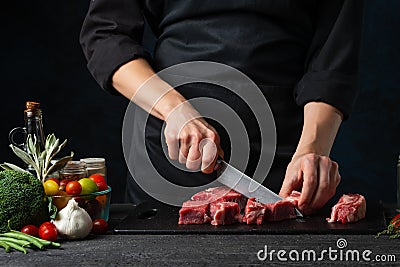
<point x="321" y="124"/>
<point x="137" y="81"/>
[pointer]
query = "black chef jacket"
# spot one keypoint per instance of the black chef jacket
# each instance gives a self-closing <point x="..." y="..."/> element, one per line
<point x="296" y="51"/>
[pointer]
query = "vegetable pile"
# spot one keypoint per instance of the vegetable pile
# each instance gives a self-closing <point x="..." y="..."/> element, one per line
<point x="44" y="208"/>
<point x="393" y="229"/>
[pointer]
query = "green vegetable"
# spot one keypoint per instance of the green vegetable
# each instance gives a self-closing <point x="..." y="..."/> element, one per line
<point x="22" y="200"/>
<point x="22" y="236"/>
<point x="40" y="160"/>
<point x="19" y="241"/>
<point x="15" y="241"/>
<point x="5" y="246"/>
<point x="14" y="245"/>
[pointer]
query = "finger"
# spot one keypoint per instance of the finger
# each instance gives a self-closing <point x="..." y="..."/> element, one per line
<point x="183" y="152"/>
<point x="291" y="182"/>
<point x="194" y="157"/>
<point x="173" y="145"/>
<point x="334" y="172"/>
<point x="326" y="185"/>
<point x="209" y="155"/>
<point x="309" y="166"/>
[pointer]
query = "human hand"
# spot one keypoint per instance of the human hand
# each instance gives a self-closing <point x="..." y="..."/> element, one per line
<point x="316" y="175"/>
<point x="191" y="140"/>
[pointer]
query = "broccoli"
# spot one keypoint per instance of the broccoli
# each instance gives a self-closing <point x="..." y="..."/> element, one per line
<point x="22" y="200"/>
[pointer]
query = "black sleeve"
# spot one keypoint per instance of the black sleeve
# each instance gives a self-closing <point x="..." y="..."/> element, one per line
<point x="111" y="36"/>
<point x="332" y="64"/>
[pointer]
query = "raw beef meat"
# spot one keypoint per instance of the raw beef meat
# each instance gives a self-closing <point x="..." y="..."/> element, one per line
<point x="256" y="212"/>
<point x="221" y="194"/>
<point x="194" y="212"/>
<point x="350" y="208"/>
<point x="279" y="211"/>
<point x="225" y="213"/>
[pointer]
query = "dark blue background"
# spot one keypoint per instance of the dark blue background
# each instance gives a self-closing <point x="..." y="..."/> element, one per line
<point x="41" y="60"/>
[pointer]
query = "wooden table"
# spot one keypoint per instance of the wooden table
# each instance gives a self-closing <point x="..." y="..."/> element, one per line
<point x="211" y="250"/>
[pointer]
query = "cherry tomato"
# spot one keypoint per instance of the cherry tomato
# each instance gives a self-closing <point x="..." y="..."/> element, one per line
<point x="73" y="188"/>
<point x="54" y="179"/>
<point x="48" y="231"/>
<point x="99" y="180"/>
<point x="100" y="226"/>
<point x="63" y="184"/>
<point x="395" y="221"/>
<point x="50" y="188"/>
<point x="30" y="230"/>
<point x="97" y="177"/>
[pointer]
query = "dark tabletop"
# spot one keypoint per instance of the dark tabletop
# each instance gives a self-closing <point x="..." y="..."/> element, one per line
<point x="211" y="250"/>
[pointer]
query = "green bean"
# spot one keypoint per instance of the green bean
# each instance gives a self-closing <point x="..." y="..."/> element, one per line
<point x="16" y="246"/>
<point x="44" y="242"/>
<point x="5" y="246"/>
<point x="15" y="241"/>
<point x="23" y="236"/>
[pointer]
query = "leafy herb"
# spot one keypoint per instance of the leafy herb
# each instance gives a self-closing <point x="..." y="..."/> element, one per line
<point x="40" y="160"/>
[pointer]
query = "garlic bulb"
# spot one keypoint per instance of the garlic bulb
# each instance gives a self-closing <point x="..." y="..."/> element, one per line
<point x="73" y="221"/>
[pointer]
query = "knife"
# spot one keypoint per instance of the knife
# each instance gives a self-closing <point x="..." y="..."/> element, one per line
<point x="240" y="182"/>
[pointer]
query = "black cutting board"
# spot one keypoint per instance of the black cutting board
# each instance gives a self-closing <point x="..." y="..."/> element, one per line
<point x="157" y="218"/>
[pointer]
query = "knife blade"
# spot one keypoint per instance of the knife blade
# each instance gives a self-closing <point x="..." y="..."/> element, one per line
<point x="240" y="182"/>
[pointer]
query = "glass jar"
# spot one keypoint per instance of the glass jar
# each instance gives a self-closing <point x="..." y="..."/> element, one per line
<point x="96" y="166"/>
<point x="73" y="170"/>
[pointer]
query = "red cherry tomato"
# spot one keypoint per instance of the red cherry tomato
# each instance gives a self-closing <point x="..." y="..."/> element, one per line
<point x="30" y="230"/>
<point x="54" y="179"/>
<point x="73" y="188"/>
<point x="48" y="231"/>
<point x="102" y="186"/>
<point x="99" y="180"/>
<point x="97" y="177"/>
<point x="100" y="226"/>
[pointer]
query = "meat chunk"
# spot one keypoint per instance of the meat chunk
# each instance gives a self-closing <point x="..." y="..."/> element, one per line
<point x="220" y="194"/>
<point x="350" y="208"/>
<point x="279" y="211"/>
<point x="254" y="212"/>
<point x="225" y="213"/>
<point x="194" y="212"/>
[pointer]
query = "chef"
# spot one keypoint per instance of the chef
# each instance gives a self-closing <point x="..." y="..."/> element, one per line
<point x="303" y="55"/>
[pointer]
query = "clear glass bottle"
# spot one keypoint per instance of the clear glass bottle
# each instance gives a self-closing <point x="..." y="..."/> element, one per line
<point x="96" y="165"/>
<point x="33" y="126"/>
<point x="73" y="170"/>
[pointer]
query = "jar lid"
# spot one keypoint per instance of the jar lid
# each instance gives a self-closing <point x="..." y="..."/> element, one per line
<point x="72" y="164"/>
<point x="93" y="160"/>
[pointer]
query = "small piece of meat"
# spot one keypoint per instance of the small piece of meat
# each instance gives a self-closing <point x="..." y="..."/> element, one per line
<point x="194" y="212"/>
<point x="350" y="208"/>
<point x="220" y="194"/>
<point x="254" y="212"/>
<point x="279" y="211"/>
<point x="225" y="213"/>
